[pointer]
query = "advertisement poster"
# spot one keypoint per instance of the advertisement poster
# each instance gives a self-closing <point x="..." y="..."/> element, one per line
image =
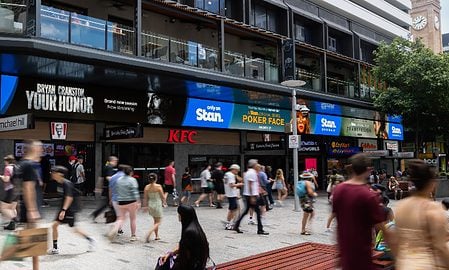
<point x="49" y="149"/>
<point x="259" y="118"/>
<point x="208" y="113"/>
<point x="353" y="127"/>
<point x="326" y="124"/>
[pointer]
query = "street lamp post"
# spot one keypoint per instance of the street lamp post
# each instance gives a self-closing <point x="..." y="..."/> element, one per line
<point x="292" y="84"/>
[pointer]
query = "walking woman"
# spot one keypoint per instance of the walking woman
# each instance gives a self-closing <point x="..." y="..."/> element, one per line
<point x="281" y="187"/>
<point x="421" y="225"/>
<point x="9" y="202"/>
<point x="186" y="183"/>
<point x="128" y="201"/>
<point x="153" y="200"/>
<point x="193" y="250"/>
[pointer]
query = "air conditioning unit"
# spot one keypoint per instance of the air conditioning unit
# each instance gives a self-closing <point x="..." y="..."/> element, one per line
<point x="300" y="33"/>
<point x="331" y="44"/>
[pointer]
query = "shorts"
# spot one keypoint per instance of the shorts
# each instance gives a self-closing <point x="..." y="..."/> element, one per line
<point x="306" y="204"/>
<point x="279" y="185"/>
<point x="219" y="188"/>
<point x="169" y="189"/>
<point x="261" y="201"/>
<point x="232" y="203"/>
<point x="69" y="219"/>
<point x="9" y="196"/>
<point x="206" y="190"/>
<point x="187" y="193"/>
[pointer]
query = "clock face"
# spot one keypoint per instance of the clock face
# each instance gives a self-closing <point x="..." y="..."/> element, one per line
<point x="419" y="22"/>
<point x="437" y="22"/>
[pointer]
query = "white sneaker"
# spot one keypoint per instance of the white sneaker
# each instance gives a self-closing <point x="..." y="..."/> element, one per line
<point x="251" y="222"/>
<point x="92" y="245"/>
<point x="133" y="239"/>
<point x="53" y="251"/>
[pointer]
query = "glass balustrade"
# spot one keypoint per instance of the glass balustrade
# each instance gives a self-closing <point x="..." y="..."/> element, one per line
<point x="313" y="80"/>
<point x="341" y="87"/>
<point x="12" y="16"/>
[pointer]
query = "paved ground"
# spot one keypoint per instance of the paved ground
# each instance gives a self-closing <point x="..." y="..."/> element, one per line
<point x="224" y="245"/>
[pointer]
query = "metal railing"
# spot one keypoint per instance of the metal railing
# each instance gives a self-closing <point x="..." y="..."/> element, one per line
<point x="313" y="80"/>
<point x="249" y="67"/>
<point x="12" y="17"/>
<point x="342" y="88"/>
<point x="70" y="27"/>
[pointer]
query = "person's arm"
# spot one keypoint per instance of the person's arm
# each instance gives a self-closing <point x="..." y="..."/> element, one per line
<point x="161" y="194"/>
<point x="174" y="179"/>
<point x="67" y="202"/>
<point x="135" y="189"/>
<point x="310" y="190"/>
<point x="29" y="198"/>
<point x="145" y="197"/>
<point x="315" y="182"/>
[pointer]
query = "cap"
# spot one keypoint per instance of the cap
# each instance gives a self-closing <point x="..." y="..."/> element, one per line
<point x="306" y="175"/>
<point x="252" y="163"/>
<point x="72" y="158"/>
<point x="59" y="169"/>
<point x="234" y="167"/>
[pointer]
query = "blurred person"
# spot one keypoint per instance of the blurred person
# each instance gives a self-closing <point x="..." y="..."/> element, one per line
<point x="205" y="187"/>
<point x="31" y="191"/>
<point x="217" y="177"/>
<point x="170" y="182"/>
<point x="269" y="172"/>
<point x="421" y="225"/>
<point x="445" y="204"/>
<point x="393" y="186"/>
<point x="380" y="243"/>
<point x="338" y="180"/>
<point x="128" y="201"/>
<point x="358" y="211"/>
<point x="107" y="173"/>
<point x="80" y="174"/>
<point x="68" y="209"/>
<point x="331" y="183"/>
<point x="251" y="192"/>
<point x="9" y="201"/>
<point x="186" y="183"/>
<point x="192" y="252"/>
<point x="232" y="193"/>
<point x="281" y="187"/>
<point x="306" y="200"/>
<point x="153" y="201"/>
<point x="264" y="184"/>
<point x="113" y="194"/>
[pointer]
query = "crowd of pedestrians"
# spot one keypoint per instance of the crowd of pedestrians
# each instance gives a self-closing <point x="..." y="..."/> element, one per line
<point x="414" y="233"/>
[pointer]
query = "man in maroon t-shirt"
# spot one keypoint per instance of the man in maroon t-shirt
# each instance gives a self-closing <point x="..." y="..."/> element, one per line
<point x="358" y="211"/>
<point x="170" y="181"/>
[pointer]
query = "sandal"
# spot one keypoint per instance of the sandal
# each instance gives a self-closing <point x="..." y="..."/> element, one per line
<point x="306" y="233"/>
<point x="157" y="238"/>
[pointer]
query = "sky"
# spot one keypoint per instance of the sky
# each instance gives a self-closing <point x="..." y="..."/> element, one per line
<point x="445" y="16"/>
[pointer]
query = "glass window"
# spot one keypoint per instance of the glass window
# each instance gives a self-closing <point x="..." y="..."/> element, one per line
<point x="199" y="4"/>
<point x="212" y="6"/>
<point x="271" y="20"/>
<point x="260" y="17"/>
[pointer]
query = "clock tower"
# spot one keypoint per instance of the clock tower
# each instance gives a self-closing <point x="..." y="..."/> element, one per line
<point x="426" y="23"/>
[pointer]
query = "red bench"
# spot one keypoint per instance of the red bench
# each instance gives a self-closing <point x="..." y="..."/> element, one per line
<point x="308" y="255"/>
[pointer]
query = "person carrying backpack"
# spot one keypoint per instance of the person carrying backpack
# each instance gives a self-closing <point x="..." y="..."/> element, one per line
<point x="9" y="201"/>
<point x="306" y="193"/>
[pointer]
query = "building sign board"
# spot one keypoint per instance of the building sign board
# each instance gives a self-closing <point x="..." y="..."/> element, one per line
<point x="115" y="133"/>
<point x="17" y="122"/>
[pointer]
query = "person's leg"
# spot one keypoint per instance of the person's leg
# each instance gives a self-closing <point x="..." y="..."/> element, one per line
<point x="157" y="223"/>
<point x="119" y="223"/>
<point x="133" y="217"/>
<point x="117" y="213"/>
<point x="245" y="212"/>
<point x="329" y="220"/>
<point x="211" y="199"/>
<point x="103" y="205"/>
<point x="259" y="218"/>
<point x="270" y="193"/>
<point x="285" y="194"/>
<point x="55" y="234"/>
<point x="279" y="194"/>
<point x="305" y="218"/>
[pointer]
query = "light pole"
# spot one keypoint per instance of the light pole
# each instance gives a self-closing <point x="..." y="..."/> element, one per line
<point x="292" y="84"/>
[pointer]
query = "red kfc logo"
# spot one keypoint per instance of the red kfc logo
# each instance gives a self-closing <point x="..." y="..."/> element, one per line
<point x="181" y="136"/>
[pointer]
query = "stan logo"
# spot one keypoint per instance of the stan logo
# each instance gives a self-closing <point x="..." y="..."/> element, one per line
<point x="328" y="123"/>
<point x="396" y="131"/>
<point x="210" y="114"/>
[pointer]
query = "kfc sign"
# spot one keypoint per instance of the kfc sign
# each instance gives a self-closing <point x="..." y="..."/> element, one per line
<point x="182" y="136"/>
<point x="58" y="130"/>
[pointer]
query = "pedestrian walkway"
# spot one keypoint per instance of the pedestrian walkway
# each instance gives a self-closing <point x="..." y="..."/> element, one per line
<point x="283" y="226"/>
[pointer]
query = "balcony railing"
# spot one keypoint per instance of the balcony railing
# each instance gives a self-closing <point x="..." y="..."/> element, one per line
<point x="342" y="88"/>
<point x="70" y="27"/>
<point x="313" y="80"/>
<point x="12" y="17"/>
<point x="256" y="68"/>
<point x="190" y="53"/>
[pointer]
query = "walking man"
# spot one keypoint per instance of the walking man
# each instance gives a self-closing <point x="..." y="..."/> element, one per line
<point x="70" y="205"/>
<point x="170" y="182"/>
<point x="80" y="174"/>
<point x="358" y="211"/>
<point x="108" y="172"/>
<point x="251" y="192"/>
<point x="232" y="192"/>
<point x="217" y="178"/>
<point x="205" y="188"/>
<point x="30" y="173"/>
<point x="113" y="194"/>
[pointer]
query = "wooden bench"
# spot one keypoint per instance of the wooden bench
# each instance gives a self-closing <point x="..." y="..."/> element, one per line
<point x="308" y="255"/>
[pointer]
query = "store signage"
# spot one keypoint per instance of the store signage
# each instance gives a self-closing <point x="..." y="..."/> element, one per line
<point x="182" y="136"/>
<point x="58" y="130"/>
<point x="368" y="145"/>
<point x="115" y="133"/>
<point x="309" y="146"/>
<point x="347" y="151"/>
<point x="404" y="155"/>
<point x="327" y="125"/>
<point x="254" y="146"/>
<point x="215" y="114"/>
<point x="395" y="131"/>
<point x="431" y="162"/>
<point x="376" y="153"/>
<point x="17" y="122"/>
<point x="391" y="145"/>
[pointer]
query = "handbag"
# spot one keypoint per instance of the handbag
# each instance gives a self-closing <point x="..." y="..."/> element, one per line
<point x="273" y="187"/>
<point x="210" y="185"/>
<point x="110" y="216"/>
<point x="329" y="188"/>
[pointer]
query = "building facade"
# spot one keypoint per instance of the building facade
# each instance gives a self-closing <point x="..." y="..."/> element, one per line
<point x="426" y="23"/>
<point x="196" y="81"/>
<point x="445" y="39"/>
